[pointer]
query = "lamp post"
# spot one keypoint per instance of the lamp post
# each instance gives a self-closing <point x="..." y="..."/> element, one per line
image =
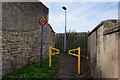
<point x="65" y="30"/>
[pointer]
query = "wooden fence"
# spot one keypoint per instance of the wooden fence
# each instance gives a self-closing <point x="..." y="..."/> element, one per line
<point x="74" y="40"/>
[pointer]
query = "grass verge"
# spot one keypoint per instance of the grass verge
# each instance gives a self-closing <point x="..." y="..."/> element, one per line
<point x="34" y="70"/>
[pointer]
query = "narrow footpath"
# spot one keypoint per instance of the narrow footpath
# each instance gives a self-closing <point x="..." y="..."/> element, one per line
<point x="68" y="67"/>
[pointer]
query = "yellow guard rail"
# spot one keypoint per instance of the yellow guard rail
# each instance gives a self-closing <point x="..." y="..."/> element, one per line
<point x="77" y="55"/>
<point x="51" y="54"/>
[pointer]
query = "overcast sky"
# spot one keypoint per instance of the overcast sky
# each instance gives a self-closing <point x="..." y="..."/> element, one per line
<point x="81" y="16"/>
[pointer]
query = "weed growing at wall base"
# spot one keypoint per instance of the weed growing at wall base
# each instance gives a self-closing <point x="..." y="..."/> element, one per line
<point x="34" y="71"/>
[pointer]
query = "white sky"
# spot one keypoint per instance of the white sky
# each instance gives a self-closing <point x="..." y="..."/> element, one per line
<point x="81" y="16"/>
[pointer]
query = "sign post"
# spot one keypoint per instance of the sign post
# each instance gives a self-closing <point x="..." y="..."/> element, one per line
<point x="42" y="21"/>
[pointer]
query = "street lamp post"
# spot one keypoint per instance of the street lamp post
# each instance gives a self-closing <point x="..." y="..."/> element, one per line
<point x="65" y="30"/>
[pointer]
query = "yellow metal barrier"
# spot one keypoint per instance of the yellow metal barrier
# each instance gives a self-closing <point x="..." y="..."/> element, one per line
<point x="51" y="54"/>
<point x="78" y="55"/>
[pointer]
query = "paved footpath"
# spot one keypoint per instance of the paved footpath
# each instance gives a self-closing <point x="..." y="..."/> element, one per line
<point x="68" y="66"/>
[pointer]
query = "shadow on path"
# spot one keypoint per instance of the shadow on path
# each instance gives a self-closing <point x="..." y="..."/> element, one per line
<point x="68" y="66"/>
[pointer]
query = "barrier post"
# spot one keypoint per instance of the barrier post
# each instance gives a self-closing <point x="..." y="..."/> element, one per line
<point x="78" y="56"/>
<point x="79" y="61"/>
<point x="50" y="56"/>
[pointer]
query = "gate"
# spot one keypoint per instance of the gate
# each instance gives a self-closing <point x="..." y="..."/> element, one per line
<point x="74" y="40"/>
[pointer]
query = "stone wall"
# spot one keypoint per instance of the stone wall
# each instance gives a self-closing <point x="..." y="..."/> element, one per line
<point x="103" y="49"/>
<point x="19" y="48"/>
<point x="21" y="34"/>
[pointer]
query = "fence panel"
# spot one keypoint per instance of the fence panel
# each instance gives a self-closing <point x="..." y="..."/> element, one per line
<point x="74" y="40"/>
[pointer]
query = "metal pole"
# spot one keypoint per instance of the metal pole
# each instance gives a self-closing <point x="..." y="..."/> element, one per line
<point x="41" y="47"/>
<point x="50" y="56"/>
<point x="65" y="34"/>
<point x="79" y="61"/>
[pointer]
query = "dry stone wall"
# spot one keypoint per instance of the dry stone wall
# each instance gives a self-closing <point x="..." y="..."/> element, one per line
<point x="19" y="48"/>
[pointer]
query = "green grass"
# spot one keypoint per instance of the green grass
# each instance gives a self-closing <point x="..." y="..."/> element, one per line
<point x="34" y="70"/>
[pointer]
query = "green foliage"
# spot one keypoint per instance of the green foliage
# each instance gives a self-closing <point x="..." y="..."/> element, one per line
<point x="34" y="70"/>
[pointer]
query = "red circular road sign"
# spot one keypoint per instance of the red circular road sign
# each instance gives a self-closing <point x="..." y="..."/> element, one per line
<point x="42" y="21"/>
